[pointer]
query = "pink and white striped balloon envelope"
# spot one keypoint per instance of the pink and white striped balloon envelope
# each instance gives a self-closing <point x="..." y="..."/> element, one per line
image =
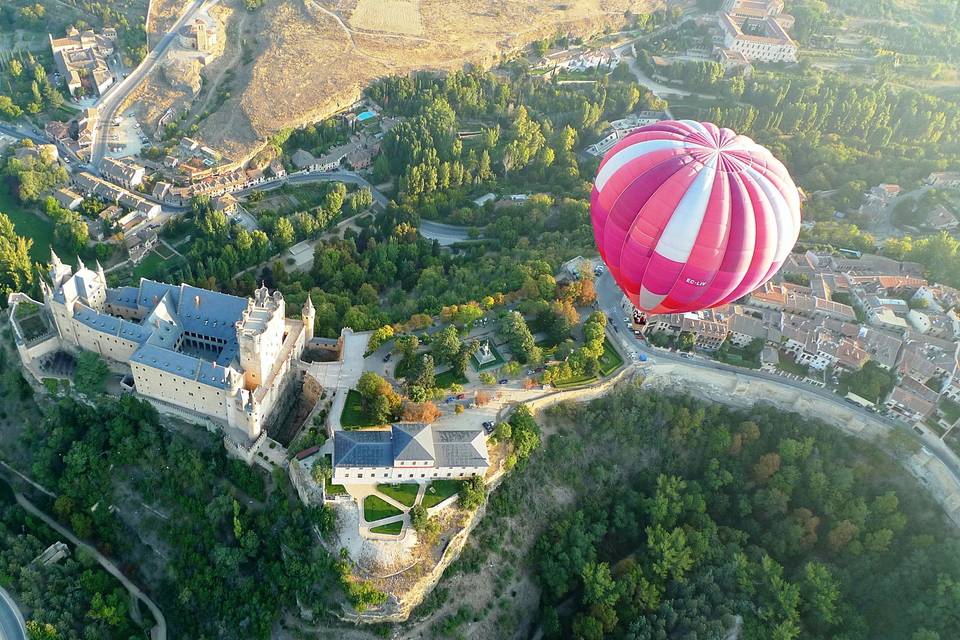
<point x="688" y="215"/>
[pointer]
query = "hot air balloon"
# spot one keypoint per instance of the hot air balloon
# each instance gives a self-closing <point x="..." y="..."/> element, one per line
<point x="688" y="215"/>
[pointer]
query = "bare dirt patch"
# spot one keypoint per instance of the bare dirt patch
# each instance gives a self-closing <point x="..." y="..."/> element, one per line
<point x="311" y="58"/>
<point x="394" y="16"/>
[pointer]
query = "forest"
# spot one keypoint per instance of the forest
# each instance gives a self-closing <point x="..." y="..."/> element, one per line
<point x="761" y="516"/>
<point x="238" y="546"/>
<point x="690" y="519"/>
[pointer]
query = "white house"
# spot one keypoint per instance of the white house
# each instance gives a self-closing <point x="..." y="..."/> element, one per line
<point x="409" y="452"/>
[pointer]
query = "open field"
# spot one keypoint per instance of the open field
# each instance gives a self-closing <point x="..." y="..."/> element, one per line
<point x="28" y="224"/>
<point x="311" y="58"/>
<point x="394" y="16"/>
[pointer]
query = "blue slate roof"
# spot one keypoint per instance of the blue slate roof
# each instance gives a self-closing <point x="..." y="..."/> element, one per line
<point x="363" y="449"/>
<point x="167" y="361"/>
<point x="151" y="292"/>
<point x="405" y="445"/>
<point x="180" y="364"/>
<point x="98" y="321"/>
<point x="213" y="375"/>
<point x="133" y="331"/>
<point x="123" y="296"/>
<point x="210" y="313"/>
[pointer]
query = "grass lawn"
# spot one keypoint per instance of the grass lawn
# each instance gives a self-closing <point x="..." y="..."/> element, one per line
<point x="334" y="489"/>
<point x="950" y="410"/>
<point x="375" y="508"/>
<point x="790" y="366"/>
<point x="392" y="529"/>
<point x="29" y="225"/>
<point x="164" y="250"/>
<point x="448" y="378"/>
<point x="610" y="359"/>
<point x="497" y="361"/>
<point x="440" y="490"/>
<point x="574" y="382"/>
<point x="405" y="494"/>
<point x="33" y="326"/>
<point x="148" y="267"/>
<point x="353" y="416"/>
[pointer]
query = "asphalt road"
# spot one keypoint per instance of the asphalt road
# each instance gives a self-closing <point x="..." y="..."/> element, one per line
<point x="110" y="103"/>
<point x="445" y="234"/>
<point x="159" y="631"/>
<point x="609" y="296"/>
<point x="12" y="626"/>
<point x="348" y="177"/>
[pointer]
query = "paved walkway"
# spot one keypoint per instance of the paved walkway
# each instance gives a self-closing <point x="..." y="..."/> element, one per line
<point x="359" y="493"/>
<point x="159" y="631"/>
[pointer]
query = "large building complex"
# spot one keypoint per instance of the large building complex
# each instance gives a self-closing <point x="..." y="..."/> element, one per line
<point x="756" y="29"/>
<point x="82" y="59"/>
<point x="196" y="352"/>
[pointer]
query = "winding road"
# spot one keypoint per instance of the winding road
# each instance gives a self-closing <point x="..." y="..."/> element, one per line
<point x="12" y="625"/>
<point x="317" y="176"/>
<point x="609" y="296"/>
<point x="159" y="631"/>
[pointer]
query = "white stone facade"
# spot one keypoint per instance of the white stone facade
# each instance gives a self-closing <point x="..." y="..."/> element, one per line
<point x="222" y="357"/>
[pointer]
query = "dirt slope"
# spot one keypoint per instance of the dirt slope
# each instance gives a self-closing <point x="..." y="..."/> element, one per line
<point x="305" y="59"/>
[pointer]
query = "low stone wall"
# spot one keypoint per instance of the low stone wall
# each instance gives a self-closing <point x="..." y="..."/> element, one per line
<point x="412" y="598"/>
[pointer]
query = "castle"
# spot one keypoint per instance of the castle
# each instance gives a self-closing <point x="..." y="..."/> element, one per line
<point x="206" y="353"/>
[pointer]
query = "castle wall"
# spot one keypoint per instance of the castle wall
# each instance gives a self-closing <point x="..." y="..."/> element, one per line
<point x="182" y="392"/>
<point x="108" y="346"/>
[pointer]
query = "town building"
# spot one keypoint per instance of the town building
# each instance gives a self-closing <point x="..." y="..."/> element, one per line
<point x="68" y="199"/>
<point x="190" y="351"/>
<point x="409" y="452"/>
<point x="800" y="300"/>
<point x="911" y="400"/>
<point x="139" y="244"/>
<point x="110" y="193"/>
<point x="885" y="192"/>
<point x="762" y="39"/>
<point x="81" y="59"/>
<point x="941" y="219"/>
<point x="733" y="61"/>
<point x="126" y="174"/>
<point x="87" y="127"/>
<point x="195" y="36"/>
<point x="944" y="180"/>
<point x="620" y="129"/>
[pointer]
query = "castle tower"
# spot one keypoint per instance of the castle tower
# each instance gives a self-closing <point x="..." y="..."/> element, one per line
<point x="100" y="274"/>
<point x="58" y="271"/>
<point x="260" y="336"/>
<point x="309" y="316"/>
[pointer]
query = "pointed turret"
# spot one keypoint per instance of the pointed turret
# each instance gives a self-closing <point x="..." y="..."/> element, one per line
<point x="58" y="271"/>
<point x="309" y="316"/>
<point x="80" y="264"/>
<point x="101" y="274"/>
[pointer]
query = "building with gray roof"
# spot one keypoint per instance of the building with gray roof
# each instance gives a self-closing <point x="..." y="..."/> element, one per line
<point x="214" y="355"/>
<point x="409" y="452"/>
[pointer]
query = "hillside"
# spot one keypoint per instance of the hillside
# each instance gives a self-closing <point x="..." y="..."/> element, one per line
<point x="296" y="61"/>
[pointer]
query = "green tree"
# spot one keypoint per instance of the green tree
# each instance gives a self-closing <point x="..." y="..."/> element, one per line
<point x="91" y="373"/>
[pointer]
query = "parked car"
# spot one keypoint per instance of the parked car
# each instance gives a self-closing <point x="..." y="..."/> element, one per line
<point x="387" y="357"/>
<point x="461" y="396"/>
<point x="488" y="427"/>
<point x="503" y="381"/>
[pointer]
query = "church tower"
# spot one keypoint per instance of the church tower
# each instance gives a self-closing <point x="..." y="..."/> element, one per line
<point x="309" y="315"/>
